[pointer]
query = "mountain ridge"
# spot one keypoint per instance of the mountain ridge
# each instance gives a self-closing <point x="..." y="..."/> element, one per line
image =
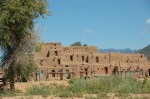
<point x="146" y="51"/>
<point x="111" y="50"/>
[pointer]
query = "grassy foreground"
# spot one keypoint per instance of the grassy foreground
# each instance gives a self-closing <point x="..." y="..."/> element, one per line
<point x="101" y="86"/>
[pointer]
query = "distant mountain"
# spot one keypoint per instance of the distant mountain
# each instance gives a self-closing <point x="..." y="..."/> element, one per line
<point x="146" y="51"/>
<point x="127" y="50"/>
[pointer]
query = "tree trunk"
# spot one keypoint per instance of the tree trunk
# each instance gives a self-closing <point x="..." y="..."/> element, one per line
<point x="11" y="78"/>
<point x="12" y="85"/>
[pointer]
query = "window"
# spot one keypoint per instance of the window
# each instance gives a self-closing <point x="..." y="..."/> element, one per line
<point x="82" y="58"/>
<point x="66" y="66"/>
<point x="97" y="59"/>
<point x="105" y="57"/>
<point x="59" y="61"/>
<point x="71" y="58"/>
<point x="48" y="54"/>
<point x="127" y="60"/>
<point x="56" y="53"/>
<point x="53" y="73"/>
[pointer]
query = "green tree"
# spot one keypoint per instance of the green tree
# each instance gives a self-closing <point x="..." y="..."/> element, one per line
<point x="78" y="44"/>
<point x="17" y="35"/>
<point x="85" y="45"/>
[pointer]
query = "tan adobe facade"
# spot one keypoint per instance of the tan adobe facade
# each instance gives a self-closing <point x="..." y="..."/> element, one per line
<point x="57" y="63"/>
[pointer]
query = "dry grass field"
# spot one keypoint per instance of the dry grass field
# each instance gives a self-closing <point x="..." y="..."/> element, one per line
<point x="99" y="88"/>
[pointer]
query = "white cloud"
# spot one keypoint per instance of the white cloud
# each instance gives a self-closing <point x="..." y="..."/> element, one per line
<point x="148" y="21"/>
<point x="86" y="32"/>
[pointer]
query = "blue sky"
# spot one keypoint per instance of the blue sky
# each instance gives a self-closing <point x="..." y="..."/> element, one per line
<point x="103" y="23"/>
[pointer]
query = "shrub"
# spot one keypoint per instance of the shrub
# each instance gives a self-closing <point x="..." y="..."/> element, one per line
<point x="41" y="90"/>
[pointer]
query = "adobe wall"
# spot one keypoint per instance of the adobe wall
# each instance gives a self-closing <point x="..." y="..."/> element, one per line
<point x="80" y="49"/>
<point x="56" y="62"/>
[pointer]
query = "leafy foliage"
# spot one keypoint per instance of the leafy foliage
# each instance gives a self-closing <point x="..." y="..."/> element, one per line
<point x="17" y="35"/>
<point x="78" y="44"/>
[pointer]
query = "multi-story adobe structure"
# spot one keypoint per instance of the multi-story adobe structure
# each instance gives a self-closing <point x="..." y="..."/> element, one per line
<point x="57" y="63"/>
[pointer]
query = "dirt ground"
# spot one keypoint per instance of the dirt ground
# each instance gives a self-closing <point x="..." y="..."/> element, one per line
<point x="90" y="96"/>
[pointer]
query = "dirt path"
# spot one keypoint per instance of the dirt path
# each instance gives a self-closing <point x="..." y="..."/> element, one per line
<point x="109" y="96"/>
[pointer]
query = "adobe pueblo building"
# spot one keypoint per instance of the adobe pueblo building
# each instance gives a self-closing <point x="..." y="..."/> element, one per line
<point x="57" y="63"/>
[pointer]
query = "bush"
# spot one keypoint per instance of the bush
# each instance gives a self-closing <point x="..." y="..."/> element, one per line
<point x="41" y="90"/>
<point x="7" y="92"/>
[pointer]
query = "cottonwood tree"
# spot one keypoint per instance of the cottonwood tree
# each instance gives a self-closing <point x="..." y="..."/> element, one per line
<point x="17" y="35"/>
<point x="78" y="44"/>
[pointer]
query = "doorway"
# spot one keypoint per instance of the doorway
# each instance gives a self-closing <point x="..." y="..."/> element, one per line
<point x="53" y="73"/>
<point x="67" y="74"/>
<point x="115" y="71"/>
<point x="86" y="71"/>
<point x="41" y="73"/>
<point x="141" y="72"/>
<point x="106" y="70"/>
<point x="128" y="73"/>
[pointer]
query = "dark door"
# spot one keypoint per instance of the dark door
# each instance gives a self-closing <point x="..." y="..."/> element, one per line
<point x="86" y="71"/>
<point x="106" y="70"/>
<point x="53" y="73"/>
<point x="115" y="71"/>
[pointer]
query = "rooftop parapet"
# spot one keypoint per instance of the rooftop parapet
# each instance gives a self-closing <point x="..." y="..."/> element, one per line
<point x="79" y="49"/>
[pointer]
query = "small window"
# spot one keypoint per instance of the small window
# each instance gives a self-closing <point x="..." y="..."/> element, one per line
<point x="53" y="73"/>
<point x="71" y="58"/>
<point x="105" y="57"/>
<point x="59" y="61"/>
<point x="97" y="59"/>
<point x="66" y="66"/>
<point x="127" y="60"/>
<point x="82" y="58"/>
<point x="56" y="53"/>
<point x="48" y="54"/>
